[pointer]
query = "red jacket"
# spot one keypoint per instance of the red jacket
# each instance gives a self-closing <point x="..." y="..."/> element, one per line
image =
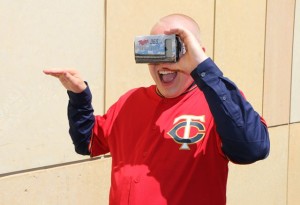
<point x="164" y="151"/>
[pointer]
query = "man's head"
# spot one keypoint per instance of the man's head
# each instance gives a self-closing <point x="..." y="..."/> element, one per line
<point x="169" y="80"/>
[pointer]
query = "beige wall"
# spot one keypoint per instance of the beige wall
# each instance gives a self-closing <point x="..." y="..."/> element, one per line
<point x="256" y="44"/>
<point x="72" y="184"/>
<point x="263" y="182"/>
<point x="294" y="138"/>
<point x="239" y="45"/>
<point x="295" y="102"/>
<point x="36" y="35"/>
<point x="278" y="61"/>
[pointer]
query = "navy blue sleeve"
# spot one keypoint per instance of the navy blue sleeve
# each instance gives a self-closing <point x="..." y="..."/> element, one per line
<point x="245" y="138"/>
<point x="81" y="120"/>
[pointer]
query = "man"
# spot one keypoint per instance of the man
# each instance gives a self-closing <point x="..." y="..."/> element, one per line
<point x="171" y="142"/>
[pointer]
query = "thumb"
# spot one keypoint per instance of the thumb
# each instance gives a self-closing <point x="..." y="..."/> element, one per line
<point x="75" y="83"/>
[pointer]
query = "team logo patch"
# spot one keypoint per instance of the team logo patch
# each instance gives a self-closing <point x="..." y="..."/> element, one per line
<point x="188" y="129"/>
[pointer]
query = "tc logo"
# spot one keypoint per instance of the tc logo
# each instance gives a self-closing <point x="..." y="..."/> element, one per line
<point x="184" y="124"/>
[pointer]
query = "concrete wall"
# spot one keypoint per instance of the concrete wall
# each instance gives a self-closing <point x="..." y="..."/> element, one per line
<point x="256" y="43"/>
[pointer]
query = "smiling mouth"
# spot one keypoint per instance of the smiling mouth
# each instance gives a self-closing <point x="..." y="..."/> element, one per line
<point x="167" y="76"/>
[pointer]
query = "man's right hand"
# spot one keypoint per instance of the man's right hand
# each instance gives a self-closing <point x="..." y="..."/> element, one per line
<point x="69" y="78"/>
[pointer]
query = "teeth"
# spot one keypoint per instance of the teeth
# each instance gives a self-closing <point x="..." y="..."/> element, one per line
<point x="164" y="72"/>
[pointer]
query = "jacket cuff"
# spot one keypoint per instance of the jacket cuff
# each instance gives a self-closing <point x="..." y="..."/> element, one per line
<point x="85" y="97"/>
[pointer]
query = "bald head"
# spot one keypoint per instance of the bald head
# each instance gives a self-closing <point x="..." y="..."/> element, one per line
<point x="176" y="20"/>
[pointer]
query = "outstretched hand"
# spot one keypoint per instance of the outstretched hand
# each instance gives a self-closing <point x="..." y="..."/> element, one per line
<point x="69" y="78"/>
<point x="195" y="53"/>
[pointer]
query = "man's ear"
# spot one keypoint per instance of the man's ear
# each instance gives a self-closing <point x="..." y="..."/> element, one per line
<point x="203" y="49"/>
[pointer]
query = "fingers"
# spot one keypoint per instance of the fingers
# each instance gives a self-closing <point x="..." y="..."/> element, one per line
<point x="194" y="51"/>
<point x="51" y="72"/>
<point x="182" y="33"/>
<point x="186" y="36"/>
<point x="69" y="78"/>
<point x="65" y="76"/>
<point x="59" y="71"/>
<point x="174" y="31"/>
<point x="54" y="73"/>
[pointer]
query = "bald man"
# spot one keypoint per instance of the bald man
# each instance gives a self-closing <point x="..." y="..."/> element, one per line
<point x="171" y="142"/>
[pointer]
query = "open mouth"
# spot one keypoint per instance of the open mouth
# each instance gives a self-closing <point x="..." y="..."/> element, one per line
<point x="167" y="76"/>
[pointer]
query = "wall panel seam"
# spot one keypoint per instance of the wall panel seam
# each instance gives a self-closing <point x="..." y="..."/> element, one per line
<point x="264" y="58"/>
<point x="105" y="56"/>
<point x="292" y="59"/>
<point x="214" y="31"/>
<point x="288" y="165"/>
<point x="290" y="108"/>
<point x="52" y="166"/>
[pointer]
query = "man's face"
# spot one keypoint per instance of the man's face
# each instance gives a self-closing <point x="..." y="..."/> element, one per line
<point x="169" y="80"/>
